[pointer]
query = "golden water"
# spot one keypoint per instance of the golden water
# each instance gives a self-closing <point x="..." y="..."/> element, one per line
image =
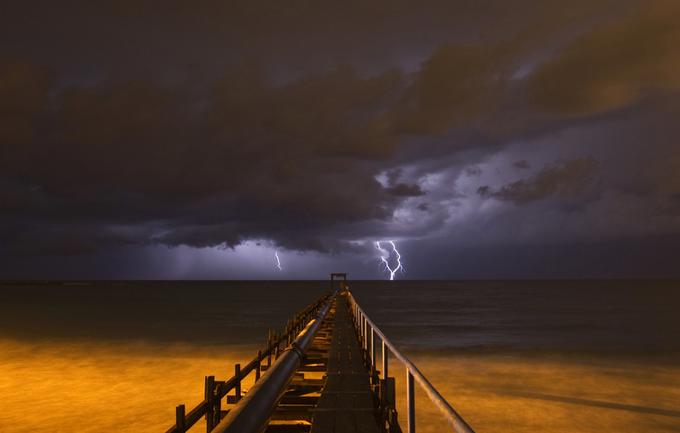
<point x="125" y="387"/>
<point x="89" y="387"/>
<point x="550" y="393"/>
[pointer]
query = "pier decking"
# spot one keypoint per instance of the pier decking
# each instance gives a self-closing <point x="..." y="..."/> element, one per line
<point x="319" y="375"/>
<point x="347" y="401"/>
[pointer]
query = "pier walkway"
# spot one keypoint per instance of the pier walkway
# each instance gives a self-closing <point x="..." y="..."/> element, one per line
<point x="319" y="375"/>
<point x="347" y="401"/>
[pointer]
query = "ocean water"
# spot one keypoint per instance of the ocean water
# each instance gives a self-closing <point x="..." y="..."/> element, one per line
<point x="559" y="356"/>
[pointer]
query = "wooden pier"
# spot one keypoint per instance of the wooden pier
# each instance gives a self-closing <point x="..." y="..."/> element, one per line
<point x="347" y="401"/>
<point x="319" y="375"/>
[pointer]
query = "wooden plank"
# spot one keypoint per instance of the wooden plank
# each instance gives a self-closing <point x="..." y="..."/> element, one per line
<point x="304" y="389"/>
<point x="312" y="368"/>
<point x="298" y="381"/>
<point x="292" y="413"/>
<point x="288" y="428"/>
<point x="299" y="399"/>
<point x="346" y="404"/>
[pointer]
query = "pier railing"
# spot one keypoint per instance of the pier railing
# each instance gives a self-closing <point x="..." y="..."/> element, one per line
<point x="252" y="413"/>
<point x="215" y="391"/>
<point x="367" y="332"/>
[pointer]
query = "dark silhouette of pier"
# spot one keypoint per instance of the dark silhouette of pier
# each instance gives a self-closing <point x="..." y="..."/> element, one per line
<point x="331" y="338"/>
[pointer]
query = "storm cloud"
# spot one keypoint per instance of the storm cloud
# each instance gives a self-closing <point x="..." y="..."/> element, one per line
<point x="566" y="179"/>
<point x="318" y="128"/>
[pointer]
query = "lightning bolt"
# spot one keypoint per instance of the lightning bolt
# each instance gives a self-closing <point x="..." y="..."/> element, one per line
<point x="278" y="261"/>
<point x="384" y="255"/>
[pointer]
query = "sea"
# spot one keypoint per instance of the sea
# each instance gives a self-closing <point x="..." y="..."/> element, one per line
<point x="521" y="356"/>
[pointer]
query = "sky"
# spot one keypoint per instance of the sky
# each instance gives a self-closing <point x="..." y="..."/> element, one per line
<point x="487" y="139"/>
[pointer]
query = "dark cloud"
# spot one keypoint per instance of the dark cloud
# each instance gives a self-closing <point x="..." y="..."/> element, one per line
<point x="457" y="84"/>
<point x="25" y="240"/>
<point x="567" y="180"/>
<point x="484" y="191"/>
<point x="312" y="127"/>
<point x="393" y="176"/>
<point x="523" y="164"/>
<point x="405" y="190"/>
<point x="23" y="96"/>
<point x="206" y="33"/>
<point x="473" y="171"/>
<point x="246" y="160"/>
<point x="614" y="64"/>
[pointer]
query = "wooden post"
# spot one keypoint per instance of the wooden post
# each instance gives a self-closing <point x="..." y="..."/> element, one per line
<point x="217" y="402"/>
<point x="258" y="368"/>
<point x="361" y="329"/>
<point x="269" y="348"/>
<point x="385" y="355"/>
<point x="237" y="388"/>
<point x="373" y="351"/>
<point x="179" y="419"/>
<point x="209" y="395"/>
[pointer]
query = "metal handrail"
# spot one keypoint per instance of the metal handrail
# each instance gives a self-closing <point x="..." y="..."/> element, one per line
<point x="251" y="414"/>
<point x="368" y="328"/>
<point x="216" y="390"/>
